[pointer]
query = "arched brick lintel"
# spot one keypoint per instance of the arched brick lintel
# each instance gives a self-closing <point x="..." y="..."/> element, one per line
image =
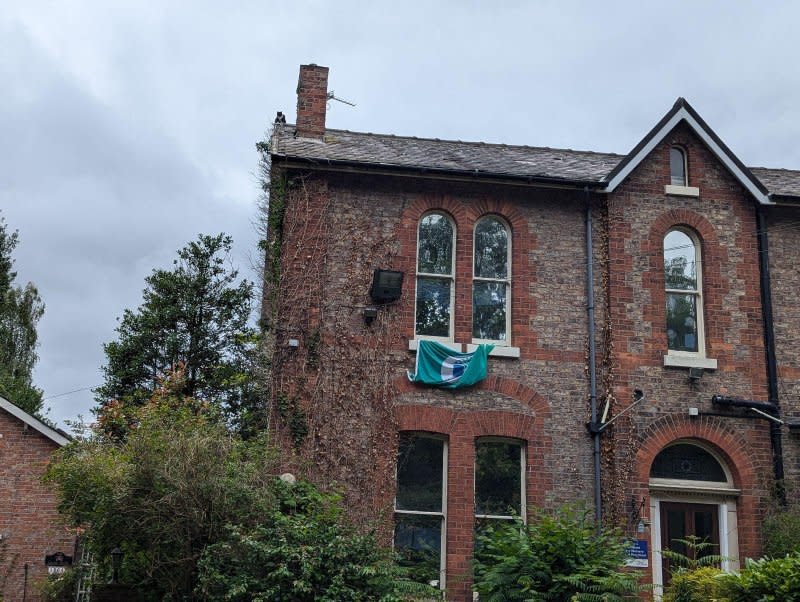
<point x="709" y="430"/>
<point x="525" y="395"/>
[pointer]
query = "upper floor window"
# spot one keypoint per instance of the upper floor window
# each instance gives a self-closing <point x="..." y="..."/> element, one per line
<point x="677" y="167"/>
<point x="683" y="292"/>
<point x="491" y="285"/>
<point x="435" y="276"/>
<point x="420" y="506"/>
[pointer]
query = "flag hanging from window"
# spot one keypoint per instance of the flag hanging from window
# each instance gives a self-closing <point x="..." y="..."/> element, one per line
<point x="440" y="366"/>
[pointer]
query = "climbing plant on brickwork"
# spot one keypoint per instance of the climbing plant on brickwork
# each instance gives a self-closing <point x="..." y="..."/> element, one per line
<point x="337" y="420"/>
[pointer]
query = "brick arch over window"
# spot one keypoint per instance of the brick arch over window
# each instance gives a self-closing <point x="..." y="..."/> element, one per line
<point x="740" y="455"/>
<point x="713" y="256"/>
<point x="465" y="211"/>
<point x="462" y="428"/>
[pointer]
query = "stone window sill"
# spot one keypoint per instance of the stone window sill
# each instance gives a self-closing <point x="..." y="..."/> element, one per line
<point x="689" y="361"/>
<point x="681" y="190"/>
<point x="457" y="347"/>
<point x="498" y="351"/>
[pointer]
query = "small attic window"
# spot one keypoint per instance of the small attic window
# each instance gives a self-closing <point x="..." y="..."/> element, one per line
<point x="677" y="166"/>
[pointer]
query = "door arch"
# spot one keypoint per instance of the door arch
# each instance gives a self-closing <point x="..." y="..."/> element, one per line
<point x="692" y="493"/>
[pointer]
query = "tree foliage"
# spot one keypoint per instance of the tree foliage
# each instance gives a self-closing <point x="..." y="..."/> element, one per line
<point x="166" y="492"/>
<point x="300" y="551"/>
<point x="200" y="514"/>
<point x="196" y="316"/>
<point x="557" y="556"/>
<point x="21" y="308"/>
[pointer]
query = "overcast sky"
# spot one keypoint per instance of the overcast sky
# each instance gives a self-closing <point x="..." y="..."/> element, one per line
<point x="127" y="128"/>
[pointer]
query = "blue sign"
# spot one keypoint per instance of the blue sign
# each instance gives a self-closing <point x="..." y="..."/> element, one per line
<point x="636" y="554"/>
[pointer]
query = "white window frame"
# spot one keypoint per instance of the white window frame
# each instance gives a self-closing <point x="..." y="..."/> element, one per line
<point x="679" y="358"/>
<point x="523" y="514"/>
<point x="685" y="181"/>
<point x="721" y="494"/>
<point x="507" y="281"/>
<point x="443" y="514"/>
<point x="451" y="278"/>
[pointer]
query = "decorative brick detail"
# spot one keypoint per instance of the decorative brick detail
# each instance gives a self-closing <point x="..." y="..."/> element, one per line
<point x="462" y="429"/>
<point x="747" y="458"/>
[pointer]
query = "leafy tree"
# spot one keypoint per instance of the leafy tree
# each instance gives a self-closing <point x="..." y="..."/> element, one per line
<point x="166" y="492"/>
<point x="195" y="315"/>
<point x="200" y="514"/>
<point x="21" y="308"/>
<point x="557" y="556"/>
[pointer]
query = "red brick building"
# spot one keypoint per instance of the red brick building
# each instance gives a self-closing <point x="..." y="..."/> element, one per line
<point x="654" y="290"/>
<point x="30" y="527"/>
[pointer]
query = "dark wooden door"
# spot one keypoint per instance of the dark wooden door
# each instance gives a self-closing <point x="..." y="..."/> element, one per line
<point x="682" y="521"/>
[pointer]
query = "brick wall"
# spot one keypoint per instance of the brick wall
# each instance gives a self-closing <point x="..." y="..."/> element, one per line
<point x="784" y="241"/>
<point x="346" y="381"/>
<point x="724" y="219"/>
<point x="29" y="522"/>
<point x="352" y="386"/>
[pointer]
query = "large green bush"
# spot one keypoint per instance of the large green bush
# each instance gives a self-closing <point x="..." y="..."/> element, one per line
<point x="301" y="552"/>
<point x="766" y="580"/>
<point x="704" y="584"/>
<point x="558" y="556"/>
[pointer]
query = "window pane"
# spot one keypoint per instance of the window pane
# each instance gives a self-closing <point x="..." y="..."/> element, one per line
<point x="677" y="167"/>
<point x="418" y="543"/>
<point x="435" y="245"/>
<point x="680" y="266"/>
<point x="491" y="249"/>
<point x="489" y="310"/>
<point x="419" y="473"/>
<point x="682" y="322"/>
<point x="433" y="306"/>
<point x="498" y="478"/>
<point x="687" y="462"/>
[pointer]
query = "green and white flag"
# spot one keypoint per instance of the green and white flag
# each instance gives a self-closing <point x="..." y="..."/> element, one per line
<point x="440" y="366"/>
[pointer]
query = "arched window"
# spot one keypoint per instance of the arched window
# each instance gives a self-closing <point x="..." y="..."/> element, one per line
<point x="435" y="276"/>
<point x="682" y="278"/>
<point x="687" y="462"/>
<point x="677" y="167"/>
<point x="491" y="283"/>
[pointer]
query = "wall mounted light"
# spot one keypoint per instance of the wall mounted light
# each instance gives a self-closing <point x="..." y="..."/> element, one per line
<point x="370" y="313"/>
<point x="387" y="286"/>
<point x="695" y="374"/>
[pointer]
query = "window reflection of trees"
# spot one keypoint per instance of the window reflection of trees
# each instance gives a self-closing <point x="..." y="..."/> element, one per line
<point x="491" y="280"/>
<point x="682" y="291"/>
<point x="434" y="275"/>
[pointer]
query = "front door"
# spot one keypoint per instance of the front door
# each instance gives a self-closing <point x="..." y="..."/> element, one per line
<point x="682" y="521"/>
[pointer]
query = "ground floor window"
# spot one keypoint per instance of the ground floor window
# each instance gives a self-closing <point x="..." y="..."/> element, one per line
<point x="420" y="506"/>
<point x="499" y="482"/>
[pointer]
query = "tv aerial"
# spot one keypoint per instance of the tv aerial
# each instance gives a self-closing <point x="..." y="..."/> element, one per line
<point x="331" y="96"/>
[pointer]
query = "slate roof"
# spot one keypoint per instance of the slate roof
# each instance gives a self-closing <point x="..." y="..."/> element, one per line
<point x="474" y="158"/>
<point x="783" y="182"/>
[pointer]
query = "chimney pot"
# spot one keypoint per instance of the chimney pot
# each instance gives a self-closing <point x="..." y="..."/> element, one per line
<point x="312" y="101"/>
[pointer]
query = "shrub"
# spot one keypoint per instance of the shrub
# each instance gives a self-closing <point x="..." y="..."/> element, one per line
<point x="782" y="532"/>
<point x="705" y="584"/>
<point x="557" y="556"/>
<point x="300" y="552"/>
<point x="765" y="580"/>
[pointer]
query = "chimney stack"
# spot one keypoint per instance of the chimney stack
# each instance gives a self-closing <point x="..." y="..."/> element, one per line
<point x="312" y="100"/>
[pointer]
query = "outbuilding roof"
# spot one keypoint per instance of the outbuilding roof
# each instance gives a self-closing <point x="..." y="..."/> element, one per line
<point x="57" y="436"/>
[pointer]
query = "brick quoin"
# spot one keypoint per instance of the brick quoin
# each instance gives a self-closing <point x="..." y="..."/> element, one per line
<point x="29" y="522"/>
